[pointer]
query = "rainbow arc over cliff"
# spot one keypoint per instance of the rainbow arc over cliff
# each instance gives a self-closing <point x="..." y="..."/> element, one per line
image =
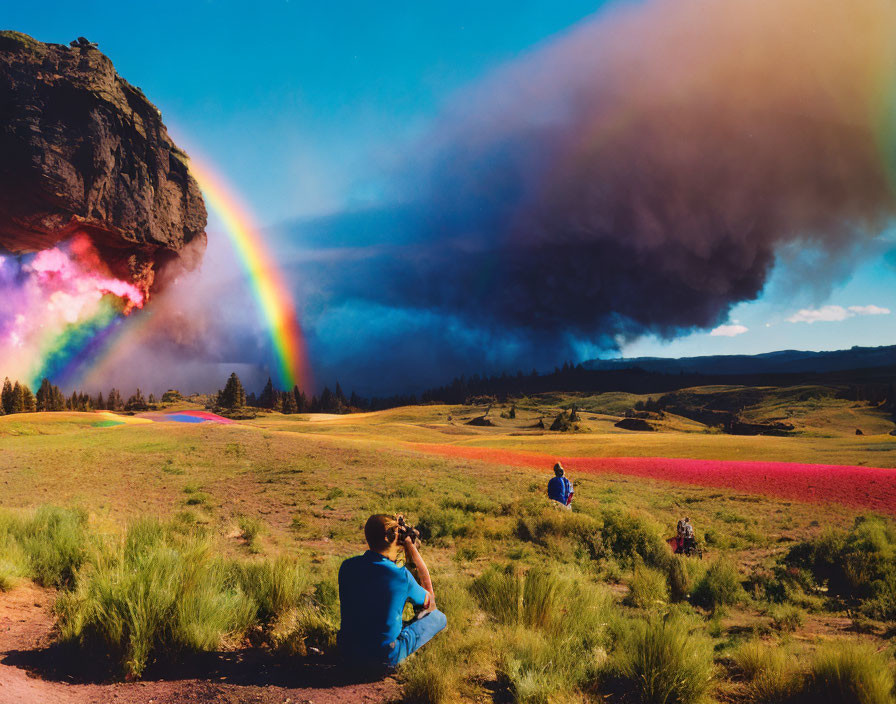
<point x="266" y="281"/>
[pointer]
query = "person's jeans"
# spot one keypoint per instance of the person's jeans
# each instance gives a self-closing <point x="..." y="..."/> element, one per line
<point x="415" y="635"/>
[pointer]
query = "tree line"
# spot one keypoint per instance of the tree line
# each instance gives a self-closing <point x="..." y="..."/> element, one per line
<point x="233" y="398"/>
<point x="17" y="397"/>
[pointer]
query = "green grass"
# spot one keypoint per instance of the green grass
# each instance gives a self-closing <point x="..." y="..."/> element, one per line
<point x="648" y="588"/>
<point x="48" y="545"/>
<point x="665" y="661"/>
<point x="849" y="673"/>
<point x="299" y="491"/>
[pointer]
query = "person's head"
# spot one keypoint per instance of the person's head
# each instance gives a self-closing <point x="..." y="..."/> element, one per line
<point x="558" y="469"/>
<point x="381" y="532"/>
<point x="687" y="520"/>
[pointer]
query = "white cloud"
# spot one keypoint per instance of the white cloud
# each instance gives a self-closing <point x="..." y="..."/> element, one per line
<point x="869" y="310"/>
<point x="833" y="314"/>
<point x="729" y="330"/>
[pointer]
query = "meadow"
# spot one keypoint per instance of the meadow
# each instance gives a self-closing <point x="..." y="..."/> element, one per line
<point x="160" y="539"/>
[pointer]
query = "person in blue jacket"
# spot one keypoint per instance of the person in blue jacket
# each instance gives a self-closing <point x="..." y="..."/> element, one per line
<point x="373" y="590"/>
<point x="560" y="488"/>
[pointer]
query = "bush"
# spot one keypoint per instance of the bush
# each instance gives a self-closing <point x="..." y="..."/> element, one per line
<point x="250" y="529"/>
<point x="720" y="586"/>
<point x="627" y="536"/>
<point x="662" y="662"/>
<point x="787" y="617"/>
<point x="859" y="564"/>
<point x="849" y="673"/>
<point x="623" y="537"/>
<point x="647" y="589"/>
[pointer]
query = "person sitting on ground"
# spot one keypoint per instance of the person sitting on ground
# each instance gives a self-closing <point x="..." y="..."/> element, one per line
<point x="686" y="539"/>
<point x="560" y="488"/>
<point x="372" y="593"/>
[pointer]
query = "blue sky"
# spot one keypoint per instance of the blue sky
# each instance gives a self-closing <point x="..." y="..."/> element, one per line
<point x="305" y="105"/>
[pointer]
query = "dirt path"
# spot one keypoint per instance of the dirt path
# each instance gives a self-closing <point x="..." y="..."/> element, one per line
<point x="857" y="487"/>
<point x="31" y="673"/>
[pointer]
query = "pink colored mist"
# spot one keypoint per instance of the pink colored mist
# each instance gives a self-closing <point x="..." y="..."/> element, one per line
<point x="49" y="298"/>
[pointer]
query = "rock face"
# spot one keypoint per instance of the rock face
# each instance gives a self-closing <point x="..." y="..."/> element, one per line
<point x="82" y="150"/>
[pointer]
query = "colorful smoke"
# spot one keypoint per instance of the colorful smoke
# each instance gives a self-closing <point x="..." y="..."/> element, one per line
<point x="60" y="304"/>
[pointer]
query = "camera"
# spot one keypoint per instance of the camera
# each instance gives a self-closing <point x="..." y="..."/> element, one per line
<point x="406" y="531"/>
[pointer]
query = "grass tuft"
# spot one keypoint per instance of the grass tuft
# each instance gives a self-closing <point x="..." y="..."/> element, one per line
<point x="662" y="662"/>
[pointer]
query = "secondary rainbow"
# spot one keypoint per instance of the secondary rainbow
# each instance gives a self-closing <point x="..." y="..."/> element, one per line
<point x="266" y="281"/>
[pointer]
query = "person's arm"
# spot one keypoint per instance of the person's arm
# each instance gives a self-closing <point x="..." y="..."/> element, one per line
<point x="413" y="554"/>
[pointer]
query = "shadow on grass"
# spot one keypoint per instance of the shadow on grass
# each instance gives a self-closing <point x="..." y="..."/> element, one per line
<point x="249" y="667"/>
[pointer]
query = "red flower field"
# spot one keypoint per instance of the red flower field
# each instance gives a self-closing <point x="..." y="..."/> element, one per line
<point x="858" y="487"/>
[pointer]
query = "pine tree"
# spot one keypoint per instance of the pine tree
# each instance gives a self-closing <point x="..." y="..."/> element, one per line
<point x="18" y="399"/>
<point x="28" y="400"/>
<point x="136" y="402"/>
<point x="289" y="403"/>
<point x="44" y="396"/>
<point x="233" y="396"/>
<point x="6" y="399"/>
<point x="113" y="401"/>
<point x="152" y="400"/>
<point x="301" y="399"/>
<point x="58" y="399"/>
<point x="328" y="402"/>
<point x="100" y="403"/>
<point x="266" y="400"/>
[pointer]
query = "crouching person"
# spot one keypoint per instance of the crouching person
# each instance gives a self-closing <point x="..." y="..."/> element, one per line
<point x="372" y="593"/>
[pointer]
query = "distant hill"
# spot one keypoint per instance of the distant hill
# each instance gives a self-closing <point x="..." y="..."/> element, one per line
<point x="783" y="362"/>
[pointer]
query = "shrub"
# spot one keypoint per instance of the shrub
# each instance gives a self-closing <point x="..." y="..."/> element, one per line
<point x="787" y="617"/>
<point x="662" y="662"/>
<point x="624" y="537"/>
<point x="647" y="589"/>
<point x="720" y="586"/>
<point x="627" y="536"/>
<point x="250" y="529"/>
<point x="858" y="564"/>
<point x="849" y="673"/>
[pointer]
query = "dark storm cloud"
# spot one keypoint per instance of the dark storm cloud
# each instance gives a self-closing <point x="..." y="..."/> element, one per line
<point x="640" y="174"/>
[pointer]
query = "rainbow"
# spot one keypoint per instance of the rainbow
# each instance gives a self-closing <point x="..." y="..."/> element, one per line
<point x="267" y="284"/>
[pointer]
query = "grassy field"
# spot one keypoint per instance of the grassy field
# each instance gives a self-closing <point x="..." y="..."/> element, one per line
<point x="257" y="502"/>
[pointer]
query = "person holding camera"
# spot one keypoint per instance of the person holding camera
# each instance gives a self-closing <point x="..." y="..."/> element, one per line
<point x="373" y="590"/>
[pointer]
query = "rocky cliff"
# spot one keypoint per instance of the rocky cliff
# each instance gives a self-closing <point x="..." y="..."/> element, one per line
<point x="82" y="150"/>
